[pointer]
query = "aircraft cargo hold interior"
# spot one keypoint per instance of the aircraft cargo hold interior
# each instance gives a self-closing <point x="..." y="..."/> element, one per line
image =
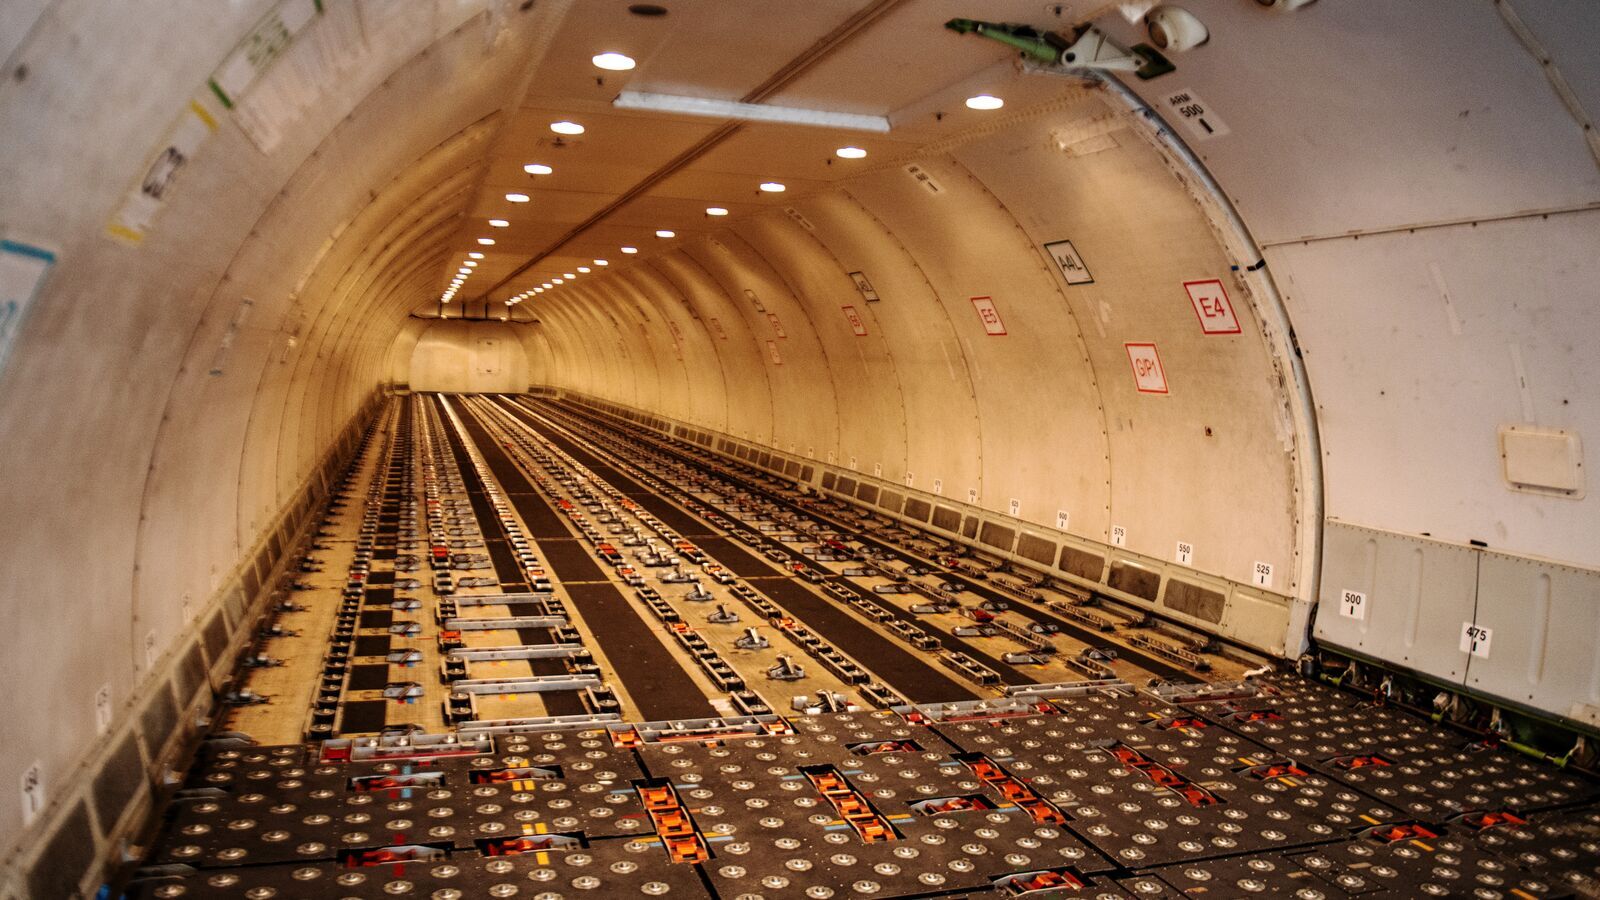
<point x="855" y="448"/>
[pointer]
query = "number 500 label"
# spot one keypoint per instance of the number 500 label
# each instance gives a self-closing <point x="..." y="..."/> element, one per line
<point x="1353" y="604"/>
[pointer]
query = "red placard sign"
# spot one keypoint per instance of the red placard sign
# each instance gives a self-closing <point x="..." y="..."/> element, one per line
<point x="1148" y="376"/>
<point x="856" y="325"/>
<point x="1211" y="304"/>
<point x="988" y="315"/>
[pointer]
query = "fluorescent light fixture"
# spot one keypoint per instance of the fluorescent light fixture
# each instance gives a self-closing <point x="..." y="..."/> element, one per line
<point x="475" y="255"/>
<point x="584" y="270"/>
<point x="850" y="153"/>
<point x="537" y="169"/>
<point x="601" y="262"/>
<point x="612" y="61"/>
<point x="517" y="198"/>
<point x="566" y="128"/>
<point x="487" y="242"/>
<point x="716" y="211"/>
<point x="985" y="101"/>
<point x="499" y="223"/>
<point x="751" y="112"/>
<point x="660" y="233"/>
<point x="773" y="187"/>
<point x="630" y="249"/>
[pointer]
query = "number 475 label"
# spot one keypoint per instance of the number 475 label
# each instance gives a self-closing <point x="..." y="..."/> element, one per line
<point x="1475" y="639"/>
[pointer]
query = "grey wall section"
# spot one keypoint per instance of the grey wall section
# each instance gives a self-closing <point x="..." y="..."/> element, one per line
<point x="468" y="357"/>
<point x="167" y="400"/>
<point x="1409" y="601"/>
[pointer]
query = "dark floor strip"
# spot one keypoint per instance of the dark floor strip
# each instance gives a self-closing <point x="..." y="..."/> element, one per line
<point x="369" y="678"/>
<point x="506" y="568"/>
<point x="570" y="560"/>
<point x="364" y="716"/>
<point x="648" y="672"/>
<point x="372" y="645"/>
<point x="736" y="558"/>
<point x="650" y="675"/>
<point x="1144" y="661"/>
<point x="898" y="666"/>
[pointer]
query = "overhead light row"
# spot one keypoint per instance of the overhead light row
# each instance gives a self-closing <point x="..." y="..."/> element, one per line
<point x="614" y="61"/>
<point x="463" y="272"/>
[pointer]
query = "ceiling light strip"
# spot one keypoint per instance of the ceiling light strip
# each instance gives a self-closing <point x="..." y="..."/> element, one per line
<point x="749" y="112"/>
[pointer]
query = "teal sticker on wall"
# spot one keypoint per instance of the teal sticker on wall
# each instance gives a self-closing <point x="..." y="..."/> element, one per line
<point x="23" y="268"/>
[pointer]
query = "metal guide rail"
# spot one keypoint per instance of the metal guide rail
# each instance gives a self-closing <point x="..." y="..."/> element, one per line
<point x="1157" y="656"/>
<point x="608" y="503"/>
<point x="963" y="659"/>
<point x="1087" y="794"/>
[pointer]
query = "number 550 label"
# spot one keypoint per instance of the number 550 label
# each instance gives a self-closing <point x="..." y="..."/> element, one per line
<point x="1353" y="604"/>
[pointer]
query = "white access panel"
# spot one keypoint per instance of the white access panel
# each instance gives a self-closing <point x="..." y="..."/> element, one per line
<point x="1421" y="346"/>
<point x="1397" y="598"/>
<point x="1543" y="460"/>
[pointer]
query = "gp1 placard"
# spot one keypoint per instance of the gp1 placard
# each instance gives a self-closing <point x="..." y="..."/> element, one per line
<point x="1148" y="375"/>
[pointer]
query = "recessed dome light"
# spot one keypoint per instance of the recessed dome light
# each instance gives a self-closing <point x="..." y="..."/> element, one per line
<point x="463" y="271"/>
<point x="566" y="128"/>
<point x="569" y="276"/>
<point x="499" y="223"/>
<point x="630" y="249"/>
<point x="557" y="281"/>
<point x="470" y="263"/>
<point x="537" y="169"/>
<point x="546" y="285"/>
<point x="773" y="187"/>
<point x="601" y="262"/>
<point x="612" y="61"/>
<point x="850" y="153"/>
<point x="475" y="255"/>
<point x="584" y="270"/>
<point x="517" y="198"/>
<point x="486" y="241"/>
<point x="716" y="211"/>
<point x="663" y="233"/>
<point x="985" y="101"/>
<point x="538" y="290"/>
